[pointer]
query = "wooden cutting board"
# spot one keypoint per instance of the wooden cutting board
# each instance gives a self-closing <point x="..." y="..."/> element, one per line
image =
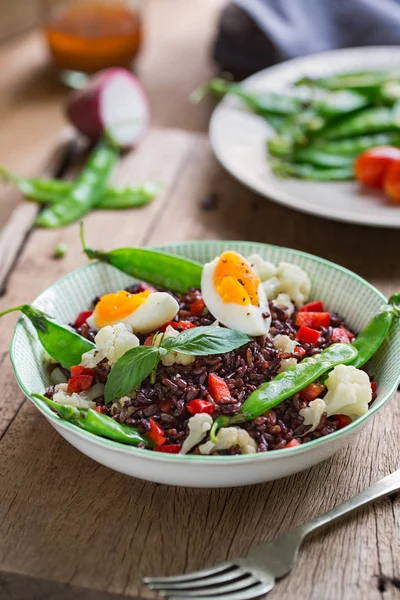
<point x="72" y="529"/>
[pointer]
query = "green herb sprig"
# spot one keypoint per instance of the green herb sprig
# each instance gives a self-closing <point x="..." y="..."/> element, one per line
<point x="135" y="365"/>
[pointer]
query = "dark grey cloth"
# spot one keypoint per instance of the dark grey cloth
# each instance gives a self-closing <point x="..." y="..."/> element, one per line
<point x="254" y="34"/>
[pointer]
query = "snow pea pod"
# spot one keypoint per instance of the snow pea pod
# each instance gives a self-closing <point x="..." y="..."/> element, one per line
<point x="372" y="336"/>
<point x="166" y="270"/>
<point x="86" y="191"/>
<point x="289" y="382"/>
<point x="367" y="82"/>
<point x="311" y="172"/>
<point x="50" y="191"/>
<point x="62" y="344"/>
<point x="322" y="159"/>
<point x="353" y="146"/>
<point x="340" y="103"/>
<point x="94" y="422"/>
<point x="261" y="103"/>
<point x="370" y="120"/>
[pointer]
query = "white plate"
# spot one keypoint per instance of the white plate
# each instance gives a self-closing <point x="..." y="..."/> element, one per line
<point x="238" y="139"/>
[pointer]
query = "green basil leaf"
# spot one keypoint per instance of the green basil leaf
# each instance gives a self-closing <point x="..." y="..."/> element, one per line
<point x="129" y="371"/>
<point x="202" y="341"/>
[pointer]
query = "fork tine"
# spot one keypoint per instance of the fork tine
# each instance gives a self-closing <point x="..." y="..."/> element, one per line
<point x="242" y="584"/>
<point x="253" y="592"/>
<point x="224" y="578"/>
<point x="189" y="576"/>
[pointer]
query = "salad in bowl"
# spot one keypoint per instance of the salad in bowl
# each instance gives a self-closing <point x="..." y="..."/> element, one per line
<point x="199" y="363"/>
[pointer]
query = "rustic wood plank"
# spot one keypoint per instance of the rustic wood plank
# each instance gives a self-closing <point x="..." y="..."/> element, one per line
<point x="95" y="529"/>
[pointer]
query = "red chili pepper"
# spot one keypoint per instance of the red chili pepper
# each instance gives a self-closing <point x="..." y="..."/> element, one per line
<point x="168" y="448"/>
<point x="82" y="317"/>
<point x="315" y="306"/>
<point x="156" y="433"/>
<point x="79" y="383"/>
<point x="200" y="406"/>
<point x="145" y="287"/>
<point x="197" y="306"/>
<point x="100" y="409"/>
<point x="78" y="370"/>
<point x="218" y="388"/>
<point x="148" y="341"/>
<point x="316" y="320"/>
<point x="306" y="335"/>
<point x="311" y="391"/>
<point x="373" y="386"/>
<point x="182" y="325"/>
<point x="341" y="335"/>
<point x="293" y="443"/>
<point x="343" y="420"/>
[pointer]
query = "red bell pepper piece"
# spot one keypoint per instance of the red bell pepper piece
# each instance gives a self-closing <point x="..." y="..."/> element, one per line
<point x="218" y="388"/>
<point x="373" y="386"/>
<point x="306" y="335"/>
<point x="79" y="383"/>
<point x="156" y="433"/>
<point x="315" y="306"/>
<point x="316" y="320"/>
<point x="200" y="406"/>
<point x="293" y="443"/>
<point x="168" y="448"/>
<point x="300" y="350"/>
<point x="342" y="335"/>
<point x="197" y="306"/>
<point x="343" y="420"/>
<point x="100" y="409"/>
<point x="311" y="391"/>
<point x="78" y="370"/>
<point x="183" y="325"/>
<point x="82" y="317"/>
<point x="148" y="341"/>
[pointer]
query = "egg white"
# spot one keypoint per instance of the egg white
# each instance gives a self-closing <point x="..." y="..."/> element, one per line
<point x="247" y="319"/>
<point x="158" y="309"/>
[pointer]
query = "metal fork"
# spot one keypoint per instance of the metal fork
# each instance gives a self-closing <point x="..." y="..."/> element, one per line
<point x="255" y="575"/>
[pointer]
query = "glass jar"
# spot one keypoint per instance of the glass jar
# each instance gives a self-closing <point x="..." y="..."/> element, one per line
<point x="90" y="35"/>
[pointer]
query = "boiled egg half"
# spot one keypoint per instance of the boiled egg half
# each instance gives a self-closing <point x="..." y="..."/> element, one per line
<point x="144" y="312"/>
<point x="233" y="294"/>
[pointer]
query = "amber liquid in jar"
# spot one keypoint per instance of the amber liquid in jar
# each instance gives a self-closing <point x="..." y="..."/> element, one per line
<point x="94" y="35"/>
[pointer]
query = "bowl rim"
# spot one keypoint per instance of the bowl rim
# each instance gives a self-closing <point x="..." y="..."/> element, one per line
<point x="166" y="457"/>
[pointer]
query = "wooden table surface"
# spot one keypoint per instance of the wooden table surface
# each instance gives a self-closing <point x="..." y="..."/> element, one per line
<point x="71" y="529"/>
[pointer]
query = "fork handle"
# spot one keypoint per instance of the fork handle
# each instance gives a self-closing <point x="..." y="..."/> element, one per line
<point x="386" y="486"/>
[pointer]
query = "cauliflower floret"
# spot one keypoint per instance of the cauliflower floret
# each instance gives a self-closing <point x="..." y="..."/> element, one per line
<point x="198" y="426"/>
<point x="111" y="342"/>
<point x="271" y="287"/>
<point x="284" y="343"/>
<point x="283" y="299"/>
<point x="349" y="392"/>
<point x="313" y="413"/>
<point x="173" y="357"/>
<point x="81" y="400"/>
<point x="295" y="282"/>
<point x="287" y="363"/>
<point x="228" y="437"/>
<point x="263" y="268"/>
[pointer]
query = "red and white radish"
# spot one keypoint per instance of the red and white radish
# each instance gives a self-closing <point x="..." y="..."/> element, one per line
<point x="112" y="103"/>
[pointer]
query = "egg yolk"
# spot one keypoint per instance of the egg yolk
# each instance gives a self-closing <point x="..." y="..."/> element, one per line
<point x="112" y="308"/>
<point x="235" y="281"/>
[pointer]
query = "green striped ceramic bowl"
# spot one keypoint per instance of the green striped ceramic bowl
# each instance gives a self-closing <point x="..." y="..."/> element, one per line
<point x="341" y="290"/>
